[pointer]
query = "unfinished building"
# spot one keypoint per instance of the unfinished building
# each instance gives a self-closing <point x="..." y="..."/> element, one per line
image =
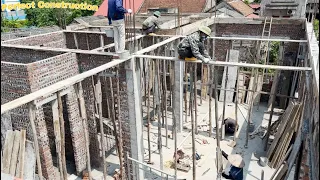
<point x="78" y="101"/>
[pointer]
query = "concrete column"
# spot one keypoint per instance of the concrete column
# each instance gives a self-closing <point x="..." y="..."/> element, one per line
<point x="135" y="116"/>
<point x="178" y="91"/>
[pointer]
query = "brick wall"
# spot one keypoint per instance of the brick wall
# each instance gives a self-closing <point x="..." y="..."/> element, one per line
<point x="54" y="39"/>
<point x="85" y="40"/>
<point x="25" y="56"/>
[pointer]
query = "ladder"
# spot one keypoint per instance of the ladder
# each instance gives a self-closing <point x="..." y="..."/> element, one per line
<point x="264" y="47"/>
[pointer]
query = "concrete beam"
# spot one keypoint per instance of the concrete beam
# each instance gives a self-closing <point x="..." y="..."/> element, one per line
<point x="135" y="117"/>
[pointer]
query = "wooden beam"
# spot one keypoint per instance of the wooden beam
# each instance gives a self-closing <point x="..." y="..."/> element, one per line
<point x="20" y="166"/>
<point x="15" y="152"/>
<point x="8" y="145"/>
<point x="32" y="116"/>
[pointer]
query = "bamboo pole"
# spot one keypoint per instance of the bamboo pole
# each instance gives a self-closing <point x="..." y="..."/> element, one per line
<point x="195" y="99"/>
<point x="201" y="86"/>
<point x="62" y="131"/>
<point x="148" y="109"/>
<point x="102" y="141"/>
<point x="32" y="115"/>
<point x="224" y="98"/>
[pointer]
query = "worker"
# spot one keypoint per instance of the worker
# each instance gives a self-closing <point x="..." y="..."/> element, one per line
<point x="193" y="45"/>
<point x="230" y="125"/>
<point x="150" y="25"/>
<point x="236" y="169"/>
<point x="116" y="18"/>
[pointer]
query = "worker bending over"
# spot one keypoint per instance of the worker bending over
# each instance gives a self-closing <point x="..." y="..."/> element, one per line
<point x="151" y="23"/>
<point x="193" y="45"/>
<point x="116" y="18"/>
<point x="237" y="164"/>
<point x="230" y="125"/>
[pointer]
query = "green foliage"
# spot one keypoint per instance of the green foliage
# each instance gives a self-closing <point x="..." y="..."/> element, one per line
<point x="60" y="17"/>
<point x="316" y="27"/>
<point x="274" y="54"/>
<point x="246" y="2"/>
<point x="12" y="23"/>
<point x="257" y="1"/>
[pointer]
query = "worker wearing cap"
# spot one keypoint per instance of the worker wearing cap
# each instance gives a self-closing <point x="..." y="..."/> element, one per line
<point x="237" y="164"/>
<point x="151" y="23"/>
<point x="230" y="125"/>
<point x="116" y="18"/>
<point x="193" y="45"/>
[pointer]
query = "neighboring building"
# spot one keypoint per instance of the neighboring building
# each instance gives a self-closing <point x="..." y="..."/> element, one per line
<point x="235" y="9"/>
<point x="256" y="8"/>
<point x="15" y="14"/>
<point x="312" y="8"/>
<point x="284" y="8"/>
<point x="103" y="8"/>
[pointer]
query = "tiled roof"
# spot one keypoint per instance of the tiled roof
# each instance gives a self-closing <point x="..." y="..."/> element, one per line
<point x="103" y="8"/>
<point x="252" y="16"/>
<point x="254" y="6"/>
<point x="241" y="7"/>
<point x="186" y="6"/>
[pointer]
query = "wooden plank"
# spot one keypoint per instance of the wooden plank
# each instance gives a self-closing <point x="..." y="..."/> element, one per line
<point x="232" y="76"/>
<point x="258" y="89"/>
<point x="20" y="166"/>
<point x="249" y="94"/>
<point x="241" y="86"/>
<point x="280" y="129"/>
<point x="32" y="115"/>
<point x="15" y="152"/>
<point x="30" y="161"/>
<point x="7" y="150"/>
<point x="79" y="92"/>
<point x="57" y="134"/>
<point x="282" y="172"/>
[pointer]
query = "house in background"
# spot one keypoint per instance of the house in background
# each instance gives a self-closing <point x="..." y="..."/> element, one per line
<point x="256" y="8"/>
<point x="284" y="8"/>
<point x="235" y="9"/>
<point x="15" y="14"/>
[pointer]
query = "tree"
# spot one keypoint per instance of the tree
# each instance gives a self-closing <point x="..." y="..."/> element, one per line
<point x="60" y="17"/>
<point x="316" y="27"/>
<point x="246" y="2"/>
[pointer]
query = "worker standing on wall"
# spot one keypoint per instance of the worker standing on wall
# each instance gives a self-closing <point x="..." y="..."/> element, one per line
<point x="192" y="46"/>
<point x="151" y="24"/>
<point x="116" y="13"/>
<point x="237" y="164"/>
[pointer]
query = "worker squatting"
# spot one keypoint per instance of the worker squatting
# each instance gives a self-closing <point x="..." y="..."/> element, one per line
<point x="49" y="5"/>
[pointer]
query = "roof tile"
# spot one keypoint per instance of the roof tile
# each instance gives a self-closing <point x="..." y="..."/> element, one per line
<point x="241" y="7"/>
<point x="186" y="6"/>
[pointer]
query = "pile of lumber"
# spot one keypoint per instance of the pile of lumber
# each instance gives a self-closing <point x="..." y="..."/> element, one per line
<point x="18" y="157"/>
<point x="288" y="127"/>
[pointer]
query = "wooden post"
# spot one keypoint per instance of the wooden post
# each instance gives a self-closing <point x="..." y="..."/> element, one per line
<point x="192" y="128"/>
<point x="165" y="98"/>
<point x="201" y="86"/>
<point x="83" y="114"/>
<point x="236" y="106"/>
<point x="210" y="102"/>
<point x="195" y="99"/>
<point x="32" y="115"/>
<point x="115" y="132"/>
<point x="186" y="93"/>
<point x="61" y="122"/>
<point x="14" y="152"/>
<point x="273" y="99"/>
<point x="175" y="131"/>
<point x="99" y="102"/>
<point x="159" y="113"/>
<point x="148" y="108"/>
<point x="57" y="133"/>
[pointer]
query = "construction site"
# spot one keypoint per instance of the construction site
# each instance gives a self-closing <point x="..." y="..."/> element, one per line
<point x="72" y="108"/>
